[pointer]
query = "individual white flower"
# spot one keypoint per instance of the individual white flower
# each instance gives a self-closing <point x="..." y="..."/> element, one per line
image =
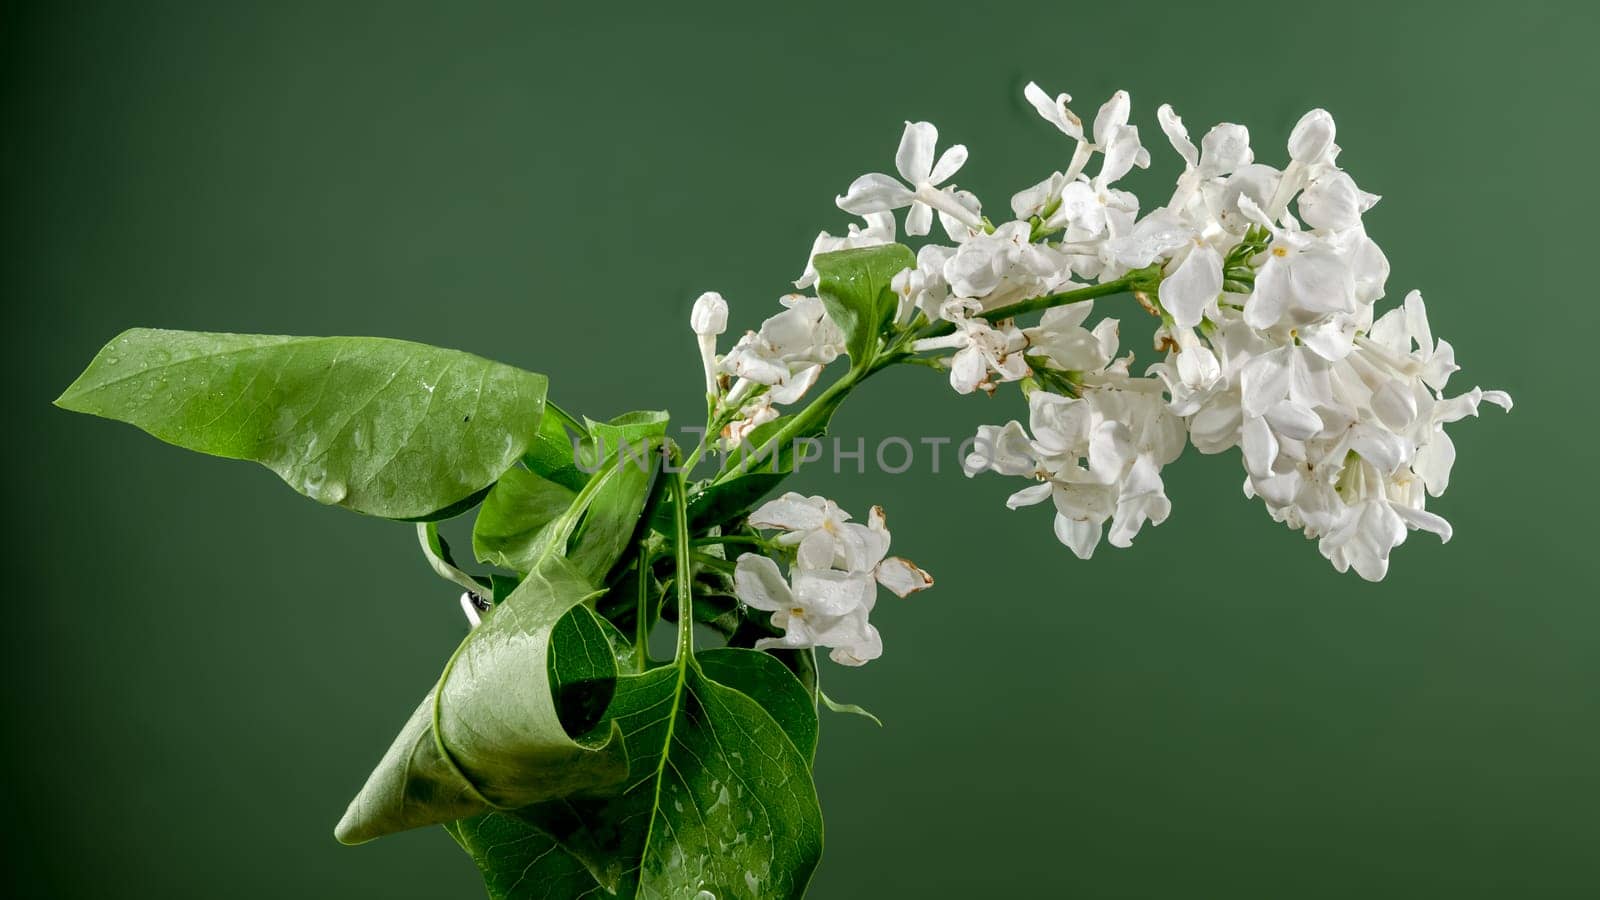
<point x="1374" y="520"/>
<point x="915" y="162"/>
<point x="1223" y="150"/>
<point x="879" y="231"/>
<point x="1303" y="282"/>
<point x="1040" y="199"/>
<point x="1004" y="266"/>
<point x="1091" y="208"/>
<point x="1311" y="151"/>
<point x="922" y="288"/>
<point x="824" y="537"/>
<point x="787" y="353"/>
<point x="832" y="585"/>
<point x="1061" y="338"/>
<point x="754" y="413"/>
<point x="815" y="608"/>
<point x="986" y="354"/>
<point x="708" y="319"/>
<point x="1097" y="457"/>
<point x="1055" y="111"/>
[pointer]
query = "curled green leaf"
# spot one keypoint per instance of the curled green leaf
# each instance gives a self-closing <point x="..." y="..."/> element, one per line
<point x="490" y="736"/>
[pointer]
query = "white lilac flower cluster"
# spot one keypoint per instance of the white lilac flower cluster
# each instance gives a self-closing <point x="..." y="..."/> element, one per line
<point x="1265" y="282"/>
<point x="833" y="580"/>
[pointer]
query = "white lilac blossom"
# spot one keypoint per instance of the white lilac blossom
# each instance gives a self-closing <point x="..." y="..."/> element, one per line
<point x="1266" y="283"/>
<point x="876" y="192"/>
<point x="833" y="578"/>
<point x="778" y="364"/>
<point x="987" y="354"/>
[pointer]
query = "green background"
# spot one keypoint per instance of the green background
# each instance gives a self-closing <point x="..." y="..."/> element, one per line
<point x="201" y="667"/>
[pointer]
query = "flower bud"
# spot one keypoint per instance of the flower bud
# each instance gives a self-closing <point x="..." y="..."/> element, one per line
<point x="1226" y="149"/>
<point x="710" y="315"/>
<point x="1312" y="137"/>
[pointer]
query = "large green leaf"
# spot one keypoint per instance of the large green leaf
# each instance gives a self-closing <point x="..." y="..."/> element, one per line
<point x="854" y="286"/>
<point x="489" y="735"/>
<point x="380" y="426"/>
<point x="720" y="796"/>
<point x="519" y="506"/>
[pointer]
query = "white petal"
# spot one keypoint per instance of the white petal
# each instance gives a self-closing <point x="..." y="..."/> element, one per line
<point x="1177" y="135"/>
<point x="1385" y="450"/>
<point x="1395" y="404"/>
<point x="831" y="593"/>
<point x="1030" y="496"/>
<point x="1272" y="296"/>
<point x="1322" y="283"/>
<point x="873" y="193"/>
<point x="1260" y="447"/>
<point x="790" y="512"/>
<point x="1054" y="111"/>
<point x="1196" y="283"/>
<point x="1142" y="498"/>
<point x="914" y="159"/>
<point x="1078" y="535"/>
<point x="950" y="162"/>
<point x="758" y="584"/>
<point x="919" y="221"/>
<point x="902" y="576"/>
<point x="1498" y="398"/>
<point x="1264" y="381"/>
<point x="1293" y="420"/>
<point x="817" y="550"/>
<point x="1423" y="520"/>
<point x="1332" y="202"/>
<point x="1433" y="462"/>
<point x="860" y="651"/>
<point x="968" y="369"/>
<point x="1113" y="115"/>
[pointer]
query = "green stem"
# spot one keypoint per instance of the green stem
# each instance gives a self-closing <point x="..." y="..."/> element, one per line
<point x="708" y="561"/>
<point x="641" y="628"/>
<point x="1128" y="282"/>
<point x="681" y="549"/>
<point x="749" y="539"/>
<point x="803" y="423"/>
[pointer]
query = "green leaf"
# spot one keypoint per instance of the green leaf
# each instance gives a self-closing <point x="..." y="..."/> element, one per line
<point x="634" y="441"/>
<point x="518" y="861"/>
<point x="384" y="427"/>
<point x="719" y="798"/>
<point x="519" y="506"/>
<point x="438" y="555"/>
<point x="551" y="454"/>
<point x="854" y="286"/>
<point x="489" y="735"/>
<point x="764" y="679"/>
<point x="850" y="708"/>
